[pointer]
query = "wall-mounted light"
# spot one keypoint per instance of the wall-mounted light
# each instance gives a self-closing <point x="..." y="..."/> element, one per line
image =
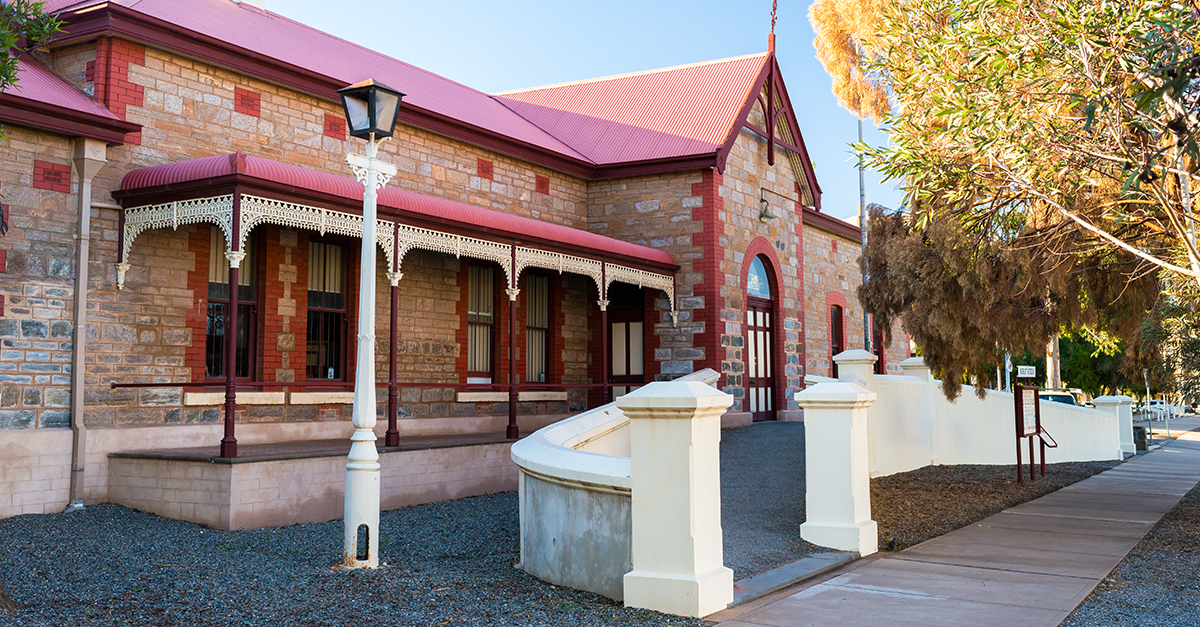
<point x="766" y="215"/>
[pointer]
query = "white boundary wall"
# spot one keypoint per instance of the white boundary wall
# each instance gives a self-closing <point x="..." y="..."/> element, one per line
<point x="912" y="425"/>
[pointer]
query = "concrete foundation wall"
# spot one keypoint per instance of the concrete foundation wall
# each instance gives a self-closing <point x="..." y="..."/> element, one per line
<point x="574" y="536"/>
<point x="296" y="491"/>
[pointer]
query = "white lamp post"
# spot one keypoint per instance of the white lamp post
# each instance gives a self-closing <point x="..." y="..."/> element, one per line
<point x="371" y="110"/>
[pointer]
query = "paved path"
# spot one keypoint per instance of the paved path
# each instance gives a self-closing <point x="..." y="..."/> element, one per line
<point x="1029" y="565"/>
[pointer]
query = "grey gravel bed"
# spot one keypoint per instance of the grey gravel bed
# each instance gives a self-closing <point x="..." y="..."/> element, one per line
<point x="1158" y="582"/>
<point x="762" y="497"/>
<point x="450" y="564"/>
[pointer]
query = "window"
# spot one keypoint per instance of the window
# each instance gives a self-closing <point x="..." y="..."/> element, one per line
<point x="837" y="337"/>
<point x="537" y="326"/>
<point x="481" y="320"/>
<point x="215" y="341"/>
<point x="325" y="355"/>
<point x="757" y="283"/>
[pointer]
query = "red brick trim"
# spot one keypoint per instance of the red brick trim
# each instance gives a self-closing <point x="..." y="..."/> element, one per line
<point x="710" y="266"/>
<point x="3" y="260"/>
<point x="110" y="78"/>
<point x="484" y="169"/>
<point x="197" y="315"/>
<point x="52" y="176"/>
<point x="801" y="316"/>
<point x="1" y="304"/>
<point x="335" y="126"/>
<point x="761" y="247"/>
<point x="542" y="185"/>
<point x="247" y="102"/>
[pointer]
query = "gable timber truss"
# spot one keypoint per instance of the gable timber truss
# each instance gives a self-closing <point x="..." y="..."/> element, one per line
<point x="770" y="94"/>
<point x="238" y="214"/>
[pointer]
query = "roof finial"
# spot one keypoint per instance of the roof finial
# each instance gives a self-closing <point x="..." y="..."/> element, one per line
<point x="771" y="37"/>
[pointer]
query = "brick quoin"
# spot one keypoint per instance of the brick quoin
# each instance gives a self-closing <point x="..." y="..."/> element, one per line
<point x="109" y="74"/>
<point x="1" y="304"/>
<point x="335" y="126"/>
<point x="3" y="260"/>
<point x="485" y="169"/>
<point x="52" y="176"/>
<point x="710" y="266"/>
<point x="197" y="316"/>
<point x="800" y="275"/>
<point x="248" y="102"/>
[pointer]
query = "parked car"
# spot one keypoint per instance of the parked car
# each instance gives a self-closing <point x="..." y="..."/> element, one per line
<point x="1058" y="396"/>
<point x="1162" y="409"/>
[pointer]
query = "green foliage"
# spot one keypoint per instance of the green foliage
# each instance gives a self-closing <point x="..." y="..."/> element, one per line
<point x="1171" y="340"/>
<point x="1095" y="363"/>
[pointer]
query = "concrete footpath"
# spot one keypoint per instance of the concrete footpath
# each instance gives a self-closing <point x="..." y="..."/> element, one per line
<point x="1030" y="565"/>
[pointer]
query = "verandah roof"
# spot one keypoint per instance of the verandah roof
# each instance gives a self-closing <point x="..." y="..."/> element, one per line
<point x="456" y="216"/>
<point x="237" y="192"/>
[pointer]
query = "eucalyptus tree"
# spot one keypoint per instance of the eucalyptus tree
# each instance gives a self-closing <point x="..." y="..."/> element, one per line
<point x="1048" y="150"/>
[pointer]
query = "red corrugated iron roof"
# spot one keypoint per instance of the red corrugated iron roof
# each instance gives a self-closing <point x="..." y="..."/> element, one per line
<point x="672" y="112"/>
<point x="661" y="114"/>
<point x="436" y="209"/>
<point x="38" y="84"/>
<point x="277" y="37"/>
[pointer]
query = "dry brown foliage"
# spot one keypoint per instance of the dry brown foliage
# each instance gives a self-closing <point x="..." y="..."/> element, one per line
<point x="844" y="29"/>
<point x="967" y="298"/>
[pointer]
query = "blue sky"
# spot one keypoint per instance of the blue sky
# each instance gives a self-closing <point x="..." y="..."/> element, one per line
<point x="495" y="46"/>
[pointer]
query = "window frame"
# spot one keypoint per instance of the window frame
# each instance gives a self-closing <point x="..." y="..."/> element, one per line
<point x="547" y="334"/>
<point x="837" y="328"/>
<point x="252" y="303"/>
<point x="489" y="374"/>
<point x="344" y="331"/>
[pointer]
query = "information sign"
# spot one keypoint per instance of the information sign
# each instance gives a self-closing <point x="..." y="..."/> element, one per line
<point x="1026" y="372"/>
<point x="1029" y="411"/>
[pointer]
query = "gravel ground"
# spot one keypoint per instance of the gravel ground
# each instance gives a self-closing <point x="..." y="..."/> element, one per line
<point x="912" y="507"/>
<point x="1158" y="582"/>
<point x="762" y="497"/>
<point x="450" y="564"/>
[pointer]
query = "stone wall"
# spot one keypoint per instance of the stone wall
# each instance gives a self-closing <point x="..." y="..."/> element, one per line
<point x="36" y="282"/>
<point x="833" y="275"/>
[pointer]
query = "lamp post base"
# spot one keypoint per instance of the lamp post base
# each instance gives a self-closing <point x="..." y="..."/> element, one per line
<point x="361" y="517"/>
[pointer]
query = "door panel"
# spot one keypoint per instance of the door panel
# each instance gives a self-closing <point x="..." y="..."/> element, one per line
<point x="760" y="358"/>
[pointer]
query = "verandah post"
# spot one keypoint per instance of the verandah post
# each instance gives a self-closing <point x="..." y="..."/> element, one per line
<point x="392" y="436"/>
<point x="229" y="442"/>
<point x="513" y="431"/>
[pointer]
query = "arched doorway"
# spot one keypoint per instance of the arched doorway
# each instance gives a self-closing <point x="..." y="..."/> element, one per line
<point x="760" y="341"/>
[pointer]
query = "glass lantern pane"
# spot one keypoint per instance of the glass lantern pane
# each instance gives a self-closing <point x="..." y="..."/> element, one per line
<point x="386" y="106"/>
<point x="356" y="110"/>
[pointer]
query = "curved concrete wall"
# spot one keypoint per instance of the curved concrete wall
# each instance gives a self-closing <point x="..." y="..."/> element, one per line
<point x="576" y="528"/>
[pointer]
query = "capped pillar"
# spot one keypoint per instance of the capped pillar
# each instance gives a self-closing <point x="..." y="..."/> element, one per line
<point x="1120" y="406"/>
<point x="838" y="505"/>
<point x="856" y="365"/>
<point x="675" y="481"/>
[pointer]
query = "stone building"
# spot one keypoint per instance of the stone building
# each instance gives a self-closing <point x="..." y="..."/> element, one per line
<point x="541" y="250"/>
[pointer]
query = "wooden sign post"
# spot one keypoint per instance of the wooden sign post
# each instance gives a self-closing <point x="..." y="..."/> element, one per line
<point x="1029" y="425"/>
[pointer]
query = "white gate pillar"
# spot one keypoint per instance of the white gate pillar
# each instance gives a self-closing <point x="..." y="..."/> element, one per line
<point x="1120" y="406"/>
<point x="838" y="492"/>
<point x="675" y="481"/>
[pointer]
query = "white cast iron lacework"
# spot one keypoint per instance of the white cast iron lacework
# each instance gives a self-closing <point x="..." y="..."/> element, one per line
<point x="217" y="210"/>
<point x="640" y="278"/>
<point x="255" y="211"/>
<point x="411" y="237"/>
<point x="534" y="258"/>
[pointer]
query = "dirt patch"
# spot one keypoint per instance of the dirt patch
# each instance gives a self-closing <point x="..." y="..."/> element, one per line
<point x="915" y="506"/>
